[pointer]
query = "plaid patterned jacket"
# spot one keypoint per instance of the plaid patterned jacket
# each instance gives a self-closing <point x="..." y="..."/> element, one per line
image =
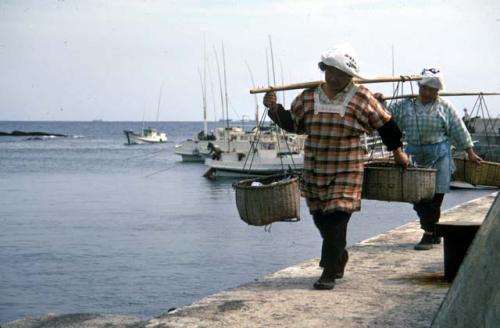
<point x="333" y="153"/>
<point x="430" y="124"/>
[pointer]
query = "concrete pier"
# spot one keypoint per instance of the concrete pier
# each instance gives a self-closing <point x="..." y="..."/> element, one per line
<point x="386" y="284"/>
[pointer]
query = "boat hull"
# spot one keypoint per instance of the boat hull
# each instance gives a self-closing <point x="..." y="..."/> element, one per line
<point x="232" y="166"/>
<point x="191" y="158"/>
<point x="215" y="173"/>
<point x="192" y="151"/>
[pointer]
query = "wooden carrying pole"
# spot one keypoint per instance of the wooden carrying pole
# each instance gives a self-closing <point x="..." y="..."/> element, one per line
<point x="306" y="85"/>
<point x="449" y="94"/>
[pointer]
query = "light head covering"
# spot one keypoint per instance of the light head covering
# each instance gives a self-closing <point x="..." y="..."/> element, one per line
<point x="342" y="57"/>
<point x="432" y="77"/>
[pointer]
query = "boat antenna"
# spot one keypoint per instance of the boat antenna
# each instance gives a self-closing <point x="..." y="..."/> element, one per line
<point x="205" y="125"/>
<point x="220" y="83"/>
<point x="255" y="97"/>
<point x="143" y="114"/>
<point x="272" y="59"/>
<point x="159" y="103"/>
<point x="204" y="96"/>
<point x="267" y="68"/>
<point x="280" y="131"/>
<point x="210" y="78"/>
<point x="225" y="84"/>
<point x="282" y="82"/>
<point x="393" y="87"/>
<point x="225" y="93"/>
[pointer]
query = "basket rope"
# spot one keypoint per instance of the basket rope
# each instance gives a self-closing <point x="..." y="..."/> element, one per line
<point x="253" y="148"/>
<point x="254" y="144"/>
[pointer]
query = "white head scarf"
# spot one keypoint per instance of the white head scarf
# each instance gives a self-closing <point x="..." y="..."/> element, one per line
<point x="342" y="57"/>
<point x="432" y="77"/>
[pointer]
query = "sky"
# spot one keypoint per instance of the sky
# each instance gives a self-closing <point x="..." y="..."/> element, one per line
<point x="122" y="60"/>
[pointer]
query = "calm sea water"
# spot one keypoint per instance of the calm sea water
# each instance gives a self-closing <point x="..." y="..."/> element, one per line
<point x="88" y="224"/>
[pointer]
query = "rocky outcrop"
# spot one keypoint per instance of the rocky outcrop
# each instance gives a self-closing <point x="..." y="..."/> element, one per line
<point x="30" y="134"/>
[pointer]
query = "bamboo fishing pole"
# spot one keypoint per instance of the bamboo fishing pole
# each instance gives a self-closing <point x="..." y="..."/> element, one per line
<point x="306" y="85"/>
<point x="449" y="94"/>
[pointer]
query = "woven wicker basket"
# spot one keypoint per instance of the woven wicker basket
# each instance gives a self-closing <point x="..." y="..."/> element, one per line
<point x="278" y="199"/>
<point x="387" y="181"/>
<point x="486" y="174"/>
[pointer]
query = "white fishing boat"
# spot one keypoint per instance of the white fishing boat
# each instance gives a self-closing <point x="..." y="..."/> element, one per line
<point x="145" y="136"/>
<point x="264" y="159"/>
<point x="228" y="140"/>
<point x="262" y="152"/>
<point x="189" y="150"/>
<point x="272" y="156"/>
<point x="196" y="149"/>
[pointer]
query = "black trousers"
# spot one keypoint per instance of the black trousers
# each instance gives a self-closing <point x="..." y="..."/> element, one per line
<point x="429" y="212"/>
<point x="333" y="230"/>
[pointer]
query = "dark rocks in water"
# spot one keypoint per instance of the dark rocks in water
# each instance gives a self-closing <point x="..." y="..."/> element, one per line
<point x="24" y="134"/>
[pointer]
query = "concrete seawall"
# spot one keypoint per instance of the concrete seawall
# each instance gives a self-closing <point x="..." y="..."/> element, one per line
<point x="386" y="284"/>
<point x="474" y="298"/>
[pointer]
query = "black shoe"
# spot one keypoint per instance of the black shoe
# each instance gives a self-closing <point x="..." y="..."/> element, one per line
<point x="426" y="242"/>
<point x="324" y="285"/>
<point x="345" y="258"/>
<point x="326" y="281"/>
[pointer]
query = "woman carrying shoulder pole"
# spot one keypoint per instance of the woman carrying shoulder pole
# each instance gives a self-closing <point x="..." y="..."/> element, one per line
<point x="334" y="116"/>
<point x="431" y="125"/>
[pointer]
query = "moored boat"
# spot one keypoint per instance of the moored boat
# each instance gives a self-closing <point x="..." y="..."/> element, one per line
<point x="272" y="156"/>
<point x="261" y="162"/>
<point x="196" y="149"/>
<point x="146" y="136"/>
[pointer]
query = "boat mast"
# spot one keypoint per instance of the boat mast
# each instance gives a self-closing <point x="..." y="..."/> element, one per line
<point x="210" y="78"/>
<point x="393" y="87"/>
<point x="267" y="68"/>
<point x="159" y="103"/>
<point x="220" y="86"/>
<point x="272" y="59"/>
<point x="255" y="97"/>
<point x="204" y="96"/>
<point x="225" y="92"/>
<point x="205" y="125"/>
<point x="282" y="82"/>
<point x="143" y="115"/>
<point x="274" y="77"/>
